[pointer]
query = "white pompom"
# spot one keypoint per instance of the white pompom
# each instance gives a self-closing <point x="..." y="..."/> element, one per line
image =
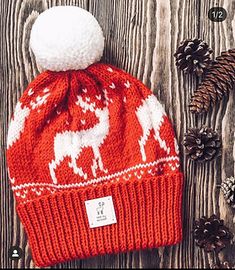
<point x="66" y="38"/>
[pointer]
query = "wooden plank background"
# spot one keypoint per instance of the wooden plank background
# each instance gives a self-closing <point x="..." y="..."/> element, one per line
<point x="141" y="37"/>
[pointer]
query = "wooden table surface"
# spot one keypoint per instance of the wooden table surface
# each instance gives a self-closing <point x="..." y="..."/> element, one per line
<point x="141" y="37"/>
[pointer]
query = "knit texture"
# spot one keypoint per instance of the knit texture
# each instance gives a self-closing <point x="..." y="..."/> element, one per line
<point x="86" y="134"/>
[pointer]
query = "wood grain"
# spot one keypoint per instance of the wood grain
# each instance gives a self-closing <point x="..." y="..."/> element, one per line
<point x="141" y="37"/>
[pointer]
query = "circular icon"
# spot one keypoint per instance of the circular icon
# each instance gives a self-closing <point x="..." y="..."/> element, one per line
<point x="15" y="253"/>
<point x="217" y="14"/>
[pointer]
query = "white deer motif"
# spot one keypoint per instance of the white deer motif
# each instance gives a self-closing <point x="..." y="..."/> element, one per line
<point x="17" y="124"/>
<point x="71" y="143"/>
<point x="21" y="113"/>
<point x="150" y="115"/>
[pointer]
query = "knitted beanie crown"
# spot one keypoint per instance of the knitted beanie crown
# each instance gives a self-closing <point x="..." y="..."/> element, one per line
<point x="92" y="157"/>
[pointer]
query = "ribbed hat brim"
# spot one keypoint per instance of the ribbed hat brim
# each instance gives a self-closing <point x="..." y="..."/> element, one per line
<point x="148" y="213"/>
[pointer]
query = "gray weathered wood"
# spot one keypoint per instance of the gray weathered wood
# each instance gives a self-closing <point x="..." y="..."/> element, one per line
<point x="141" y="37"/>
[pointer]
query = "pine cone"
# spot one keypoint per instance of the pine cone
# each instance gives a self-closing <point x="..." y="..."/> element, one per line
<point x="218" y="81"/>
<point x="193" y="56"/>
<point x="222" y="265"/>
<point x="211" y="234"/>
<point x="202" y="144"/>
<point x="228" y="188"/>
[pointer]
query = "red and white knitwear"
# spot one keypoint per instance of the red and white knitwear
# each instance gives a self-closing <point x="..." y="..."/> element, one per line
<point x="83" y="134"/>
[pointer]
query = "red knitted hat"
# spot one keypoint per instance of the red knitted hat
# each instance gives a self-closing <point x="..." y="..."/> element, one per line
<point x="93" y="160"/>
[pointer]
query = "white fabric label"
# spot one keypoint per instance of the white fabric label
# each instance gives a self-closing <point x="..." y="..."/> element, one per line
<point x="100" y="212"/>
